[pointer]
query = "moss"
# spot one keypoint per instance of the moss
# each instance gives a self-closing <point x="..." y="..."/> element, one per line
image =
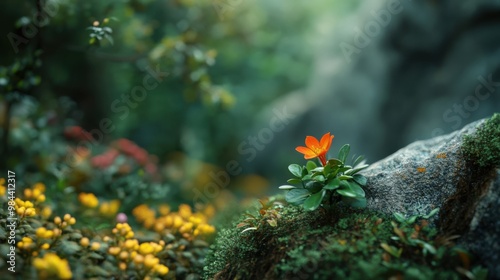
<point x="483" y="147"/>
<point x="481" y="152"/>
<point x="340" y="243"/>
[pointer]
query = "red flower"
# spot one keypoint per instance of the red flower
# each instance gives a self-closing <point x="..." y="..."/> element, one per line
<point x="77" y="133"/>
<point x="315" y="148"/>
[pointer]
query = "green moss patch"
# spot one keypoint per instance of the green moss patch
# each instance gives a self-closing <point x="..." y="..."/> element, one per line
<point x="483" y="147"/>
<point x="339" y="243"/>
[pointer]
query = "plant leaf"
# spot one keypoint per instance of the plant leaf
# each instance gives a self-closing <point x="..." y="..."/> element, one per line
<point x="272" y="222"/>
<point x="297" y="196"/>
<point x="250" y="228"/>
<point x="313" y="186"/>
<point x="356" y="170"/>
<point x="345" y="177"/>
<point x="334" y="162"/>
<point x="332" y="185"/>
<point x="294" y="181"/>
<point x="296" y="170"/>
<point x="319" y="178"/>
<point x="432" y="213"/>
<point x="313" y="201"/>
<point x="399" y="217"/>
<point x="357" y="161"/>
<point x="350" y="189"/>
<point x="412" y="219"/>
<point x="318" y="169"/>
<point x="344" y="152"/>
<point x="311" y="165"/>
<point x="287" y="187"/>
<point x="360" y="179"/>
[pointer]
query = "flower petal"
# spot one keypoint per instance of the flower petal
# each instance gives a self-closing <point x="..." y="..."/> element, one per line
<point x="312" y="142"/>
<point x="324" y="141"/>
<point x="308" y="153"/>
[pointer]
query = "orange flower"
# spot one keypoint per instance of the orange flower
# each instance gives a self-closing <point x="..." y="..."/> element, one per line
<point x="315" y="148"/>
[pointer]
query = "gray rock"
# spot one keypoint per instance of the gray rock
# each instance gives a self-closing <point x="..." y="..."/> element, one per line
<point x="432" y="174"/>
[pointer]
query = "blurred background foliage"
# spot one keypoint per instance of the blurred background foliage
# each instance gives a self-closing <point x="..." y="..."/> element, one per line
<point x="215" y="65"/>
<point x="216" y="69"/>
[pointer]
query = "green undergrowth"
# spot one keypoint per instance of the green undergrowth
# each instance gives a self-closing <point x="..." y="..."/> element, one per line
<point x="483" y="147"/>
<point x="337" y="243"/>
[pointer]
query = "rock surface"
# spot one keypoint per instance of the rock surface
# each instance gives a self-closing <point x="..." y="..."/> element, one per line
<point x="433" y="174"/>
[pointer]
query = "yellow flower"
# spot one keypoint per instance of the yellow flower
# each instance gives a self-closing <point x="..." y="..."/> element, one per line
<point x="42" y="232"/>
<point x="26" y="243"/>
<point x="178" y="222"/>
<point x="109" y="208"/>
<point x="161" y="269"/>
<point x="143" y="213"/>
<point x="52" y="267"/>
<point x="84" y="242"/>
<point x="185" y="228"/>
<point x="131" y="244"/>
<point x="138" y="259"/>
<point x="204" y="229"/>
<point x="150" y="261"/>
<point x="41" y="198"/>
<point x="95" y="246"/>
<point x="146" y="248"/>
<point x="39" y="186"/>
<point x="88" y="200"/>
<point x="46" y="212"/>
<point x="114" y="251"/>
<point x="25" y="208"/>
<point x="123" y="255"/>
<point x="3" y="189"/>
<point x="164" y="209"/>
<point x="185" y="211"/>
<point x="28" y="193"/>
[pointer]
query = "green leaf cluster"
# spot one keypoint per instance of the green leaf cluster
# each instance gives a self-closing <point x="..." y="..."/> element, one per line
<point x="336" y="181"/>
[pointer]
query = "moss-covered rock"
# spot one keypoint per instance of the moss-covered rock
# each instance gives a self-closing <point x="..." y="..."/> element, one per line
<point x="340" y="243"/>
<point x="457" y="173"/>
<point x="484" y="146"/>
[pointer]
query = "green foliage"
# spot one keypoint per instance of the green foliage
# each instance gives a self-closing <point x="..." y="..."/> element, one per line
<point x="338" y="244"/>
<point x="336" y="181"/>
<point x="268" y="215"/>
<point x="483" y="147"/>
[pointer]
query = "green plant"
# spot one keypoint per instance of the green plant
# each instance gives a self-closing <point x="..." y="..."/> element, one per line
<point x="268" y="214"/>
<point x="329" y="183"/>
<point x="421" y="242"/>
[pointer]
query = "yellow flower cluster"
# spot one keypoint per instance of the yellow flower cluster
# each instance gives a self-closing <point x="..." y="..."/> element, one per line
<point x="109" y="208"/>
<point x="184" y="221"/>
<point x="50" y="266"/>
<point x="44" y="237"/>
<point x="67" y="220"/>
<point x="132" y="255"/>
<point x="33" y="198"/>
<point x="26" y="244"/>
<point x="123" y="230"/>
<point x="94" y="246"/>
<point x="36" y="193"/>
<point x="144" y="215"/>
<point x="88" y="200"/>
<point x="24" y="208"/>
